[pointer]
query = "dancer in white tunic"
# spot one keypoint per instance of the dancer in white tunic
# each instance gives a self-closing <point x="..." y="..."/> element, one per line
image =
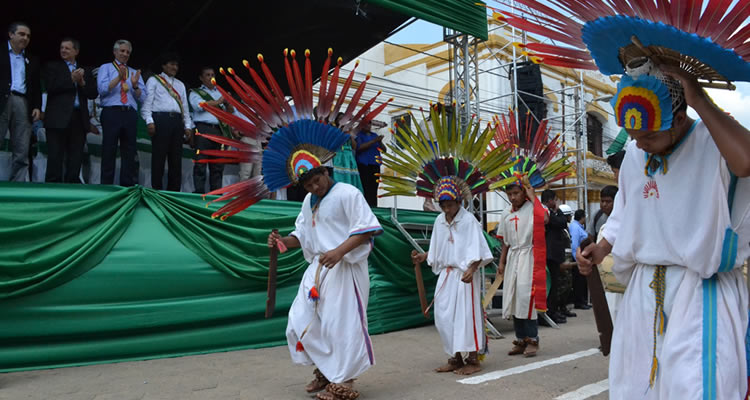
<point x="328" y="319"/>
<point x="519" y="262"/>
<point x="457" y="250"/>
<point x="681" y="325"/>
<point x="445" y="162"/>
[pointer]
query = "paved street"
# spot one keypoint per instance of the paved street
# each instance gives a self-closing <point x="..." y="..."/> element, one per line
<point x="567" y="367"/>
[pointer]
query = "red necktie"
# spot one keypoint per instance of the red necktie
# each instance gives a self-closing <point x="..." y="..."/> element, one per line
<point x="123" y="92"/>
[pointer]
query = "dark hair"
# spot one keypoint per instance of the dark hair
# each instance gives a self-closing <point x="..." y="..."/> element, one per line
<point x="76" y="43"/>
<point x="511" y="186"/>
<point x="206" y="68"/>
<point x="682" y="107"/>
<point x="13" y="27"/>
<point x="548" y="195"/>
<point x="310" y="174"/>
<point x="579" y="214"/>
<point x="169" y="57"/>
<point x="615" y="160"/>
<point x="609" y="191"/>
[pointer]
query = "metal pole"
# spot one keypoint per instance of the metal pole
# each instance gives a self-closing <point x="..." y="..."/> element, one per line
<point x="584" y="132"/>
<point x="580" y="182"/>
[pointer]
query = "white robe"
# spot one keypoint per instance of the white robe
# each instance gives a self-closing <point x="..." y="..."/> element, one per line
<point x="458" y="308"/>
<point x="336" y="340"/>
<point x="680" y="220"/>
<point x="517" y="230"/>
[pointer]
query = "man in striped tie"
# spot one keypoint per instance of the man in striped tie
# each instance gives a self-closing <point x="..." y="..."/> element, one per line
<point x="121" y="88"/>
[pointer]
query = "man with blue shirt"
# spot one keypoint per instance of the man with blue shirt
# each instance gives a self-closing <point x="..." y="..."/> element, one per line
<point x="577" y="235"/>
<point x="20" y="98"/>
<point x="368" y="149"/>
<point x="121" y="88"/>
<point x="66" y="116"/>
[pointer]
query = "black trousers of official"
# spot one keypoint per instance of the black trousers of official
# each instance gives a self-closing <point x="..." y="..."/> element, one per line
<point x="65" y="151"/>
<point x="580" y="288"/>
<point x="119" y="124"/>
<point x="554" y="275"/>
<point x="215" y="171"/>
<point x="166" y="145"/>
<point x="369" y="182"/>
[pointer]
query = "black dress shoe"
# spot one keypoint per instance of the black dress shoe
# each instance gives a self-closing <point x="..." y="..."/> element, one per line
<point x="558" y="318"/>
<point x="582" y="306"/>
<point x="567" y="313"/>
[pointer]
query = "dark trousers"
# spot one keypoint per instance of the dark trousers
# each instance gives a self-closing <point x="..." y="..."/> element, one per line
<point x="580" y="288"/>
<point x="119" y="124"/>
<point x="554" y="275"/>
<point x="526" y="328"/>
<point x="215" y="171"/>
<point x="65" y="146"/>
<point x="15" y="117"/>
<point x="369" y="182"/>
<point x="166" y="145"/>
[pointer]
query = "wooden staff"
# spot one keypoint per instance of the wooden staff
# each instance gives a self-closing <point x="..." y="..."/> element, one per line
<point x="599" y="302"/>
<point x="420" y="288"/>
<point x="272" y="269"/>
<point x="491" y="291"/>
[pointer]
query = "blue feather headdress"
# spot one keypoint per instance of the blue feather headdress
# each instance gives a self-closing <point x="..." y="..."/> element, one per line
<point x="300" y="136"/>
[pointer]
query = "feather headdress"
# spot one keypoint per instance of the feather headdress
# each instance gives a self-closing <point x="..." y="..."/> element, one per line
<point x="300" y="136"/>
<point x="704" y="37"/>
<point x="441" y="160"/>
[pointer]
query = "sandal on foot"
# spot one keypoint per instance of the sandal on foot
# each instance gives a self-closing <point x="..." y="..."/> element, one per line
<point x="471" y="366"/>
<point x="319" y="383"/>
<point x="340" y="392"/>
<point x="453" y="364"/>
<point x="518" y="347"/>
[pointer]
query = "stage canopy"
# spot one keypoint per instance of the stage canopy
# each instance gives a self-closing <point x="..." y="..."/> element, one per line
<point x="223" y="33"/>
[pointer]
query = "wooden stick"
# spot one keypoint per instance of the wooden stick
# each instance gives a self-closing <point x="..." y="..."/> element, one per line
<point x="491" y="292"/>
<point x="272" y="269"/>
<point x="420" y="289"/>
<point x="599" y="302"/>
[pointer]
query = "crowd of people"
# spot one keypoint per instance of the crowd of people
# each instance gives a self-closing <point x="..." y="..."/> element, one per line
<point x="114" y="96"/>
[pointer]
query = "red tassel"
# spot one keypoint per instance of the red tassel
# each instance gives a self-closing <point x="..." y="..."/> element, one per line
<point x="300" y="348"/>
<point x="313" y="295"/>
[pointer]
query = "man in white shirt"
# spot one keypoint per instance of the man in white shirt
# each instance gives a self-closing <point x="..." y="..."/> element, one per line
<point x="207" y="124"/>
<point x="168" y="121"/>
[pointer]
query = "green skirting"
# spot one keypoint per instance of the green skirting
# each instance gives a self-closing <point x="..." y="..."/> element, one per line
<point x="92" y="274"/>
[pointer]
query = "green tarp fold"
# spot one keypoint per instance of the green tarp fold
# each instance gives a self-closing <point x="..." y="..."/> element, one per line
<point x="94" y="274"/>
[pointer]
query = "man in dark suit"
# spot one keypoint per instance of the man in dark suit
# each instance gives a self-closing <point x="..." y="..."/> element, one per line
<point x="20" y="98"/>
<point x="66" y="117"/>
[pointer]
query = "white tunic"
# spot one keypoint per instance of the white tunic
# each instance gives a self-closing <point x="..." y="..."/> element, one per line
<point x="680" y="220"/>
<point x="517" y="229"/>
<point x="336" y="338"/>
<point x="454" y="248"/>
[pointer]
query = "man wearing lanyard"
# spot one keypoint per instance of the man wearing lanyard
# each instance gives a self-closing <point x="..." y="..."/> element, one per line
<point x="120" y="88"/>
<point x="66" y="116"/>
<point x="207" y="124"/>
<point x="168" y="122"/>
<point x="20" y="98"/>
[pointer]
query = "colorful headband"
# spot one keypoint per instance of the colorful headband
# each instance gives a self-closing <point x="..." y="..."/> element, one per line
<point x="447" y="189"/>
<point x="643" y="103"/>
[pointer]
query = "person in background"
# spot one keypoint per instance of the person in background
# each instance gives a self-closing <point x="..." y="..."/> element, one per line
<point x="66" y="116"/>
<point x="120" y="88"/>
<point x="368" y="150"/>
<point x="20" y="98"/>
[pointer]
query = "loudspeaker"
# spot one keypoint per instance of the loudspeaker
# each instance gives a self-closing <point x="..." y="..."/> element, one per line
<point x="530" y="99"/>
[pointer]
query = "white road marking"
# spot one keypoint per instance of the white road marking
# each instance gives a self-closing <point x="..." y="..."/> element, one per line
<point x="587" y="391"/>
<point x="491" y="376"/>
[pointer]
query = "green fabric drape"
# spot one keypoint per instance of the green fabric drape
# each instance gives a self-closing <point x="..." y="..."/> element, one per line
<point x="465" y="16"/>
<point x="46" y="241"/>
<point x="92" y="274"/>
<point x="619" y="142"/>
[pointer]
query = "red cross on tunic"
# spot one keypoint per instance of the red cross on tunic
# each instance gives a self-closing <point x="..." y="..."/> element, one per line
<point x="515" y="219"/>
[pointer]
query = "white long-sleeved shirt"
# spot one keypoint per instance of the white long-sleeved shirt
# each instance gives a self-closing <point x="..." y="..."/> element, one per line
<point x="158" y="99"/>
<point x="199" y="114"/>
